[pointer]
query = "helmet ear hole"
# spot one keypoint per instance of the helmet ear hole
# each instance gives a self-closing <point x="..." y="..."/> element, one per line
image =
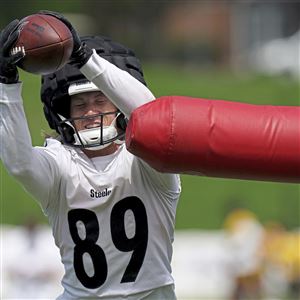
<point x="62" y="106"/>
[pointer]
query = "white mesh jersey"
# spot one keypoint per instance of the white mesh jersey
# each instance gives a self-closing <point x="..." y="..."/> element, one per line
<point x="112" y="217"/>
<point x="115" y="226"/>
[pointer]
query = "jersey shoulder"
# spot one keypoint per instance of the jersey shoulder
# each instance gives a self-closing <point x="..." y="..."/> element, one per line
<point x="54" y="150"/>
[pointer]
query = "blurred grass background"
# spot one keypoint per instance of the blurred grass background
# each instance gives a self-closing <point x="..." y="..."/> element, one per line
<point x="204" y="201"/>
<point x="193" y="48"/>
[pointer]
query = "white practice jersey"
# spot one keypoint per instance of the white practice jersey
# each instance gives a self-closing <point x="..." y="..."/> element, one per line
<point x="112" y="217"/>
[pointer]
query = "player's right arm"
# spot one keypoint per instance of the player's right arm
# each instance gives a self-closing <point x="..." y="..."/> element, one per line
<point x="31" y="166"/>
<point x="36" y="169"/>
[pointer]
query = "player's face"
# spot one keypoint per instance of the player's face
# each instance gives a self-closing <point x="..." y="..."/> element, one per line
<point x="90" y="104"/>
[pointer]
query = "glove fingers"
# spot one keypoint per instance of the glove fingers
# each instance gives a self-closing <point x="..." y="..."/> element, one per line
<point x="47" y="12"/>
<point x="76" y="38"/>
<point x="50" y="12"/>
<point x="56" y="15"/>
<point x="8" y="30"/>
<point x="10" y="40"/>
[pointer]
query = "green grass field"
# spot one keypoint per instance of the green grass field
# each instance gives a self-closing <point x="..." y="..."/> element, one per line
<point x="204" y="201"/>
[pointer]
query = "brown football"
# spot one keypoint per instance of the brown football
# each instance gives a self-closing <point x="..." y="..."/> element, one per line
<point x="48" y="44"/>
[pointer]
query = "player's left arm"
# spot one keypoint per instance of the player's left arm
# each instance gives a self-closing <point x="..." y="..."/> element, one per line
<point x="126" y="92"/>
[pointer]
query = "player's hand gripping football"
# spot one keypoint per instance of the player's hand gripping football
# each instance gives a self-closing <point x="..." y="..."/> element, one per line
<point x="8" y="56"/>
<point x="81" y="52"/>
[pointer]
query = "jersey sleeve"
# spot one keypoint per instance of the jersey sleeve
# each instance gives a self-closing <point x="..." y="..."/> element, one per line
<point x="36" y="169"/>
<point x="166" y="182"/>
<point x="126" y="92"/>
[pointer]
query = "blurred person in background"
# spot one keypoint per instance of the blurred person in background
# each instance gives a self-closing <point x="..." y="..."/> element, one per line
<point x="280" y="252"/>
<point x="292" y="254"/>
<point x="244" y="236"/>
<point x="111" y="214"/>
<point x="265" y="258"/>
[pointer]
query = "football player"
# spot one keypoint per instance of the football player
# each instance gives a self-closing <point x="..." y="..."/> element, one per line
<point x="111" y="214"/>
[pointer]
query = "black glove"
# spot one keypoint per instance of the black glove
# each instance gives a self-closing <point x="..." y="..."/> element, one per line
<point x="8" y="56"/>
<point x="81" y="52"/>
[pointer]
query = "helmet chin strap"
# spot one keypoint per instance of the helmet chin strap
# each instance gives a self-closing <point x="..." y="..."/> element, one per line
<point x="89" y="137"/>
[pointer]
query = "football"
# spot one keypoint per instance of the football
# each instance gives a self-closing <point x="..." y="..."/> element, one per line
<point x="48" y="44"/>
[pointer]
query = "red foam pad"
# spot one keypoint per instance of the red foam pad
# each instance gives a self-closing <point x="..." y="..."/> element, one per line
<point x="217" y="138"/>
